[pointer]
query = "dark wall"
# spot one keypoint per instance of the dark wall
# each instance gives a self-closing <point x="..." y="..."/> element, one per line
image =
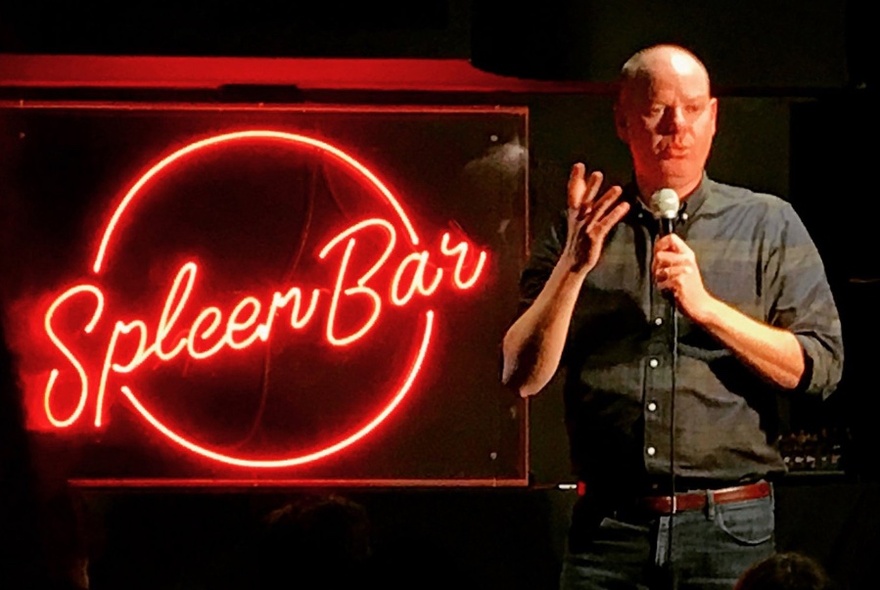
<point x="748" y="44"/>
<point x="330" y="28"/>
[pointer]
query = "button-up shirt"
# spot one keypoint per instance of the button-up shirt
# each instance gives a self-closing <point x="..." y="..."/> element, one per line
<point x="645" y="388"/>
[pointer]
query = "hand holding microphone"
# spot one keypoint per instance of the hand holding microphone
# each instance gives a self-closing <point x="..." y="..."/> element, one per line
<point x="674" y="267"/>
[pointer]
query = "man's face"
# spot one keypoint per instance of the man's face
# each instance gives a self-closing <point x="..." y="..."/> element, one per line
<point x="667" y="118"/>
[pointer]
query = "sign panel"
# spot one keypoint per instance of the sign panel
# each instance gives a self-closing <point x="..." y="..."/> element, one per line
<point x="220" y="294"/>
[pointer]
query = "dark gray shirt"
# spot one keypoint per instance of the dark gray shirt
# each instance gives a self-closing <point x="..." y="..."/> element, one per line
<point x="622" y="366"/>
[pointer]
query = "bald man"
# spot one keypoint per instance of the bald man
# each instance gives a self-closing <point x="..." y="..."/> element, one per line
<point x="674" y="344"/>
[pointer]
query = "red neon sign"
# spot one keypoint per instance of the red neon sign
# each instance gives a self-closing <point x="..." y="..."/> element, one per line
<point x="370" y="276"/>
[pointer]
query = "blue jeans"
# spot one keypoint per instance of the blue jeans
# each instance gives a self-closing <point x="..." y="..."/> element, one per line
<point x="698" y="549"/>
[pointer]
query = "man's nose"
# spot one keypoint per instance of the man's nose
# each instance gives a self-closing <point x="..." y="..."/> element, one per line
<point x="674" y="119"/>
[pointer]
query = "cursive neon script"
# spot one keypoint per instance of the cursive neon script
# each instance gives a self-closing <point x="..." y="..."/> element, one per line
<point x="251" y="319"/>
<point x="372" y="265"/>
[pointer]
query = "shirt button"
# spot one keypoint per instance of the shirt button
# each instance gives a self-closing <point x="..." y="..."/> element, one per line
<point x="652" y="407"/>
<point x="684" y="216"/>
<point x="651" y="451"/>
<point x="658" y="321"/>
<point x="653" y="363"/>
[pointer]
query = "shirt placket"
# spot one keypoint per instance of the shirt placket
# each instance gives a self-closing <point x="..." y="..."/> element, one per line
<point x="657" y="367"/>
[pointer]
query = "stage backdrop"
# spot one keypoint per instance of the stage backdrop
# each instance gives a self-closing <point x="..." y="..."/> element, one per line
<point x="233" y="295"/>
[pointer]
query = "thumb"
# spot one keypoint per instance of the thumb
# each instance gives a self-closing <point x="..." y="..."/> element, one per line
<point x="676" y="244"/>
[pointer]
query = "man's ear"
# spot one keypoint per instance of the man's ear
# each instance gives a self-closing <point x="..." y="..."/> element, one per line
<point x="713" y="105"/>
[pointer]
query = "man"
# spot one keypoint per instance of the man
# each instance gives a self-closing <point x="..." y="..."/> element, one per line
<point x="675" y="347"/>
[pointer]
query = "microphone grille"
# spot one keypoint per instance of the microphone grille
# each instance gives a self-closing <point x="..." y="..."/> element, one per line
<point x="665" y="204"/>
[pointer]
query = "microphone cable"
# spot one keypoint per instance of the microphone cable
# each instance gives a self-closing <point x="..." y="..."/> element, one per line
<point x="667" y="208"/>
<point x="672" y="396"/>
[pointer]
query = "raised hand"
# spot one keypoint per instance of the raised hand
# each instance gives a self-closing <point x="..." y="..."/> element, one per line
<point x="589" y="218"/>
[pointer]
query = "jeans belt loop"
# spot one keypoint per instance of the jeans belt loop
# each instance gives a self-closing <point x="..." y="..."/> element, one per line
<point x="710" y="505"/>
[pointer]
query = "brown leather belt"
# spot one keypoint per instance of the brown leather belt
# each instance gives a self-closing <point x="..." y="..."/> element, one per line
<point x="698" y="500"/>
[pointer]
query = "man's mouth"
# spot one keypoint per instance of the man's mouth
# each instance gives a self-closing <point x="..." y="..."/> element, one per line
<point x="673" y="152"/>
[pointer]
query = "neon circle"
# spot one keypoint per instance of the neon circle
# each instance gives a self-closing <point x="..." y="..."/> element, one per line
<point x="411" y="372"/>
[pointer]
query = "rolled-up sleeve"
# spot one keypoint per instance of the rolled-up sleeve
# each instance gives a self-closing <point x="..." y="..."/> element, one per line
<point x="802" y="301"/>
<point x="542" y="258"/>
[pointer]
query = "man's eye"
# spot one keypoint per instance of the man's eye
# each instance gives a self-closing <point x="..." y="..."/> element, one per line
<point x="693" y="108"/>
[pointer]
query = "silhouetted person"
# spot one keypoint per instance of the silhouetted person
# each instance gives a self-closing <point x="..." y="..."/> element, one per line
<point x="20" y="558"/>
<point x="38" y="521"/>
<point x="785" y="571"/>
<point x="314" y="542"/>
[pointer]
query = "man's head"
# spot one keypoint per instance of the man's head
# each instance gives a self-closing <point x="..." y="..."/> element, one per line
<point x="785" y="571"/>
<point x="665" y="113"/>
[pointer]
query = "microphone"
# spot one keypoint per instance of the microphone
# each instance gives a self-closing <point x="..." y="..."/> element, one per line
<point x="664" y="206"/>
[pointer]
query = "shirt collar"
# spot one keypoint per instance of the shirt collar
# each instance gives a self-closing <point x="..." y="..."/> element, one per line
<point x="696" y="199"/>
<point x="688" y="209"/>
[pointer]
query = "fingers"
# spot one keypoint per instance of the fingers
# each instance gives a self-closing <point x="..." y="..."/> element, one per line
<point x="673" y="261"/>
<point x="671" y="243"/>
<point x="609" y="198"/>
<point x="671" y="250"/>
<point x="668" y="274"/>
<point x="582" y="189"/>
<point x="671" y="279"/>
<point x="663" y="261"/>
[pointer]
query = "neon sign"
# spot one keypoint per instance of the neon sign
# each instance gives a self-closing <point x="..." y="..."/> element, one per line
<point x="373" y="265"/>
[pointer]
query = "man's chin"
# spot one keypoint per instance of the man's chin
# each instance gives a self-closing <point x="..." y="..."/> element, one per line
<point x="675" y="177"/>
<point x="677" y="169"/>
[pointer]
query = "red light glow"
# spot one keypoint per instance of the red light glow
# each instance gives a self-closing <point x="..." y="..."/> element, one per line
<point x="83" y="377"/>
<point x="192" y="148"/>
<point x="189" y="328"/>
<point x="460" y="250"/>
<point x="334" y="447"/>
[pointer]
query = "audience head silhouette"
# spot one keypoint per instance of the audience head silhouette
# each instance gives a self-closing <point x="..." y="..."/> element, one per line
<point x="785" y="571"/>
